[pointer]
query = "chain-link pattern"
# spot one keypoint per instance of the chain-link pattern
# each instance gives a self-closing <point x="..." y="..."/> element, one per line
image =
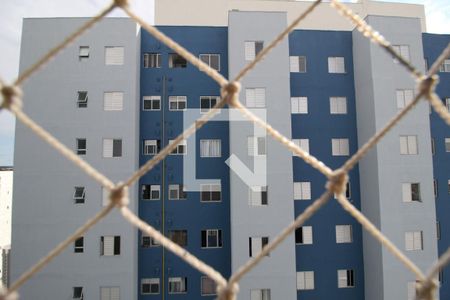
<point x="337" y="179"/>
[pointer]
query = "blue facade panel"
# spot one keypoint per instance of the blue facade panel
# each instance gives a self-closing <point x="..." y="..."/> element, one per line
<point x="325" y="256"/>
<point x="190" y="214"/>
<point x="433" y="45"/>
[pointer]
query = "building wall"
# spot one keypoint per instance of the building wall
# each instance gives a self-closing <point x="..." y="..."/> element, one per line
<point x="6" y="185"/>
<point x="276" y="272"/>
<point x="433" y="45"/>
<point x="190" y="169"/>
<point x="378" y="78"/>
<point x="44" y="211"/>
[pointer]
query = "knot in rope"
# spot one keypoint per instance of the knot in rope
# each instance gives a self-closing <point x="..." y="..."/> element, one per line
<point x="121" y="3"/>
<point x="231" y="91"/>
<point x="11" y="94"/>
<point x="4" y="295"/>
<point x="337" y="182"/>
<point x="119" y="196"/>
<point x="228" y="292"/>
<point x="428" y="84"/>
<point x="426" y="290"/>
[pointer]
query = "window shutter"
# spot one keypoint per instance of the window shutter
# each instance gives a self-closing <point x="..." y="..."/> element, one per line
<point x="331" y="65"/>
<point x="255" y="294"/>
<point x="295" y="105"/>
<point x="105" y="293"/>
<point x="342" y="105"/>
<point x="309" y="280"/>
<point x="409" y="241"/>
<point x="113" y="101"/>
<point x="412" y="144"/>
<point x="307" y="235"/>
<point x="302" y="64"/>
<point x="339" y="234"/>
<point x="204" y="149"/>
<point x="249" y="51"/>
<point x="105" y="197"/>
<point x="306" y="190"/>
<point x="300" y="280"/>
<point x="115" y="293"/>
<point x="256" y="246"/>
<point x="342" y="278"/>
<point x="114" y="55"/>
<point x="251" y="145"/>
<point x="250" y="97"/>
<point x="406" y="192"/>
<point x="107" y="148"/>
<point x="403" y="145"/>
<point x="304" y="144"/>
<point x="344" y="147"/>
<point x="260" y="97"/>
<point x="340" y="65"/>
<point x="409" y="95"/>
<point x="297" y="190"/>
<point x="294" y="64"/>
<point x="303" y="105"/>
<point x="108" y="245"/>
<point x="418" y="240"/>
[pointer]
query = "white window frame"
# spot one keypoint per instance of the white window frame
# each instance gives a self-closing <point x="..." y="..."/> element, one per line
<point x="79" y="199"/>
<point x="206" y="58"/>
<point x="344" y="234"/>
<point x="408" y="192"/>
<point x="108" y="148"/>
<point x="177" y="285"/>
<point x="212" y="101"/>
<point x="114" y="55"/>
<point x="302" y="190"/>
<point x="403" y="50"/>
<point x="150" y="282"/>
<point x="413" y="240"/>
<point x="256" y="244"/>
<point x="336" y="65"/>
<point x="206" y="280"/>
<point x="218" y="236"/>
<point x="152" y="60"/>
<point x="404" y="97"/>
<point x="302" y="144"/>
<point x="113" y="101"/>
<point x="178" y="101"/>
<point x="253" y="145"/>
<point x="210" y="148"/>
<point x="82" y="99"/>
<point x="111" y="241"/>
<point x="260" y="294"/>
<point x="445" y="67"/>
<point x="409" y="145"/>
<point x="305" y="280"/>
<point x="105" y="196"/>
<point x="179" y="188"/>
<point x="150" y="147"/>
<point x="299" y="105"/>
<point x="255" y="196"/>
<point x="306" y="235"/>
<point x="251" y="50"/>
<point x="297" y="64"/>
<point x="255" y="97"/>
<point x="152" y="188"/>
<point x="180" y="149"/>
<point x="109" y="293"/>
<point x="210" y="188"/>
<point x="340" y="147"/>
<point x="411" y="287"/>
<point x="80" y="150"/>
<point x="83" y="53"/>
<point x="152" y="99"/>
<point x="343" y="278"/>
<point x="338" y="105"/>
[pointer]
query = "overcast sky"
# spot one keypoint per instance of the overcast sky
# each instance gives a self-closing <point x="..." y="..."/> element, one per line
<point x="12" y="12"/>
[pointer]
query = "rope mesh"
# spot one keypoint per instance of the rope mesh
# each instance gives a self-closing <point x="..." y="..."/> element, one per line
<point x="228" y="289"/>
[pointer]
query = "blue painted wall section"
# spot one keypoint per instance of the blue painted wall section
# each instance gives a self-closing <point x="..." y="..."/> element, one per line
<point x="433" y="45"/>
<point x="325" y="256"/>
<point x="190" y="214"/>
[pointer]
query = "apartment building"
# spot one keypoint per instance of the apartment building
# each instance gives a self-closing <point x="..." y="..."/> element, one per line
<point x="6" y="189"/>
<point x="117" y="96"/>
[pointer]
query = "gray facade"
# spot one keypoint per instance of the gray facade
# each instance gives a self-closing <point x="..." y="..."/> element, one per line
<point x="277" y="271"/>
<point x="44" y="211"/>
<point x="384" y="170"/>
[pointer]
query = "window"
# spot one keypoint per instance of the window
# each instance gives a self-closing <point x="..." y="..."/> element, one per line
<point x="147" y="241"/>
<point x="177" y="285"/>
<point x="210" y="192"/>
<point x="340" y="147"/>
<point x="302" y="144"/>
<point x="448" y="186"/>
<point x="435" y="188"/>
<point x="177" y="103"/>
<point x="113" y="101"/>
<point x="151" y="191"/>
<point x="445" y="67"/>
<point x="207" y="102"/>
<point x="151" y="102"/>
<point x="447" y="144"/>
<point x="261" y="294"/>
<point x="77" y="292"/>
<point x="299" y="105"/>
<point x="304" y="235"/>
<point x="178" y="237"/>
<point x="110" y="245"/>
<point x="408" y="145"/>
<point x="210" y="148"/>
<point x="78" y="245"/>
<point x="114" y="55"/>
<point x="403" y="50"/>
<point x="257" y="195"/>
<point x="302" y="190"/>
<point x="297" y="64"/>
<point x="256" y="145"/>
<point x="212" y="238"/>
<point x="83" y="53"/>
<point x="338" y="105"/>
<point x="411" y="192"/>
<point x="81" y="146"/>
<point x="413" y="240"/>
<point x="404" y="97"/>
<point x="79" y="194"/>
<point x="305" y="280"/>
<point x="447" y="103"/>
<point x="82" y="99"/>
<point x="212" y="60"/>
<point x="176" y="192"/>
<point x="344" y="234"/>
<point x="256" y="244"/>
<point x="112" y="148"/>
<point x="346" y="279"/>
<point x="180" y="149"/>
<point x="105" y="196"/>
<point x="110" y="293"/>
<point x="433" y="147"/>
<point x="151" y="147"/>
<point x="208" y="286"/>
<point x="336" y="65"/>
<point x="255" y="97"/>
<point x="412" y="290"/>
<point x="152" y="60"/>
<point x="177" y="61"/>
<point x="252" y="48"/>
<point x="149" y="286"/>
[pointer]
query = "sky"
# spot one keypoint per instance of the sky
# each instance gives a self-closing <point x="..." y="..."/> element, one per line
<point x="12" y="12"/>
